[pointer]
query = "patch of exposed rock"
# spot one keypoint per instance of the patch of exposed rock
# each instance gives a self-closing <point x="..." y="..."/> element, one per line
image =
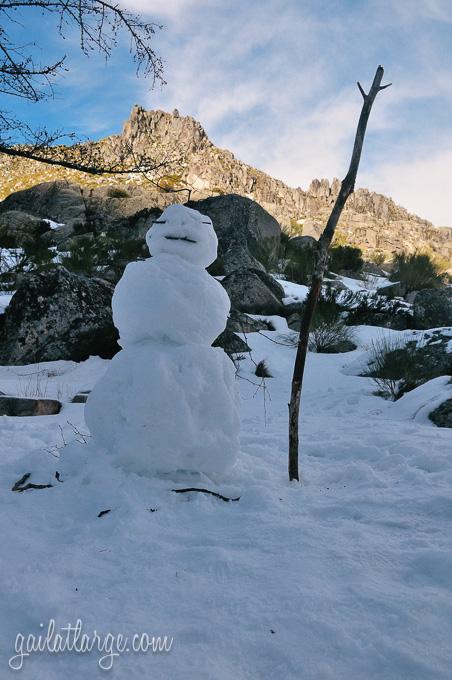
<point x="19" y="406"/>
<point x="254" y="292"/>
<point x="242" y="226"/>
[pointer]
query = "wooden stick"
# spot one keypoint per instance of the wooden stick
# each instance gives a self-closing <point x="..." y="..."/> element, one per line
<point x="321" y="261"/>
<point x="211" y="493"/>
<point x="21" y="486"/>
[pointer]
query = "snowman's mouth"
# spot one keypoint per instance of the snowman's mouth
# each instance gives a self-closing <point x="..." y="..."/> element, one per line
<point x="180" y="238"/>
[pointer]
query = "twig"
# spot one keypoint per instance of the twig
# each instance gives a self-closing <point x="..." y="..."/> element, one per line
<point x="21" y="486"/>
<point x="211" y="493"/>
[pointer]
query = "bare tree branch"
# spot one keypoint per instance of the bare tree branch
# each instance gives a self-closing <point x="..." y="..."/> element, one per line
<point x="321" y="261"/>
<point x="100" y="24"/>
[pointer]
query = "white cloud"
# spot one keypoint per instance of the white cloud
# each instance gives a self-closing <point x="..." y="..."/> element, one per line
<point x="173" y="10"/>
<point x="421" y="183"/>
<point x="275" y="85"/>
<point x="439" y="10"/>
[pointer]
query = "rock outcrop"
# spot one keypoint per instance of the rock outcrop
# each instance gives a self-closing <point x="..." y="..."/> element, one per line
<point x="58" y="315"/>
<point x="60" y="199"/>
<point x="241" y="223"/>
<point x="115" y="224"/>
<point x="254" y="292"/>
<point x="199" y="168"/>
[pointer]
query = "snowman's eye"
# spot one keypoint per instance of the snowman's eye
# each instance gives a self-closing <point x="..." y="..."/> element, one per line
<point x="205" y="222"/>
<point x="159" y="222"/>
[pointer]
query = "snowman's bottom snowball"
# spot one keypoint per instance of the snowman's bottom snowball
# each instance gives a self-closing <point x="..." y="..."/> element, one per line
<point x="162" y="408"/>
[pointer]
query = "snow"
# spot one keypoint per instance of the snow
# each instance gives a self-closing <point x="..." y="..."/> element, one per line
<point x="54" y="225"/>
<point x="371" y="282"/>
<point x="168" y="400"/>
<point x="294" y="292"/>
<point x="344" y="577"/>
<point x="5" y="299"/>
<point x="167" y="407"/>
<point x="184" y="232"/>
<point x="417" y="404"/>
<point x="167" y="299"/>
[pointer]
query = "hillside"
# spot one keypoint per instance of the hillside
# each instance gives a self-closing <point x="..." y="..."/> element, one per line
<point x="371" y="221"/>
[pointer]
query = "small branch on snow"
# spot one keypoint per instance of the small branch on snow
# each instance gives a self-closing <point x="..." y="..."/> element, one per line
<point x="211" y="493"/>
<point x="21" y="486"/>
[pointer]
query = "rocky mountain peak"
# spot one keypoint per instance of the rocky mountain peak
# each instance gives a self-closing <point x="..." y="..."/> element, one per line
<point x="144" y="128"/>
<point x="371" y="221"/>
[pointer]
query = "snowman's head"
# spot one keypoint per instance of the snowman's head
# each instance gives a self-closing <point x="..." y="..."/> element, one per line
<point x="184" y="232"/>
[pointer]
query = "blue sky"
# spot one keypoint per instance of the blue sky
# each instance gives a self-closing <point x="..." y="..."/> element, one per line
<point x="275" y="82"/>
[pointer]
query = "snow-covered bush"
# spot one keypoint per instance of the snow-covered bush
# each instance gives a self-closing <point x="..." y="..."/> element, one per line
<point x="398" y="364"/>
<point x="329" y="331"/>
<point x="376" y="310"/>
<point x="298" y="263"/>
<point x="331" y="335"/>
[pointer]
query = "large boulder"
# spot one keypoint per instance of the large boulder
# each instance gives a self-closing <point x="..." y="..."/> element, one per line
<point x="58" y="315"/>
<point x="253" y="291"/>
<point x="19" y="229"/>
<point x="60" y="201"/>
<point x="239" y="257"/>
<point x="125" y="212"/>
<point x="302" y="243"/>
<point x="432" y="308"/>
<point x="239" y="221"/>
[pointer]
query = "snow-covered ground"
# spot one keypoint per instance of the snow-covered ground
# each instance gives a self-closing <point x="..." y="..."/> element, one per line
<point x="5" y="299"/>
<point x="346" y="577"/>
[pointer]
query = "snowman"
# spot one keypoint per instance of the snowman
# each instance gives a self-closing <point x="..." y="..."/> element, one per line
<point x="168" y="400"/>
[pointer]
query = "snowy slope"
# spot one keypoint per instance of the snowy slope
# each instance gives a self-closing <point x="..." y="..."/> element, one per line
<point x="347" y="577"/>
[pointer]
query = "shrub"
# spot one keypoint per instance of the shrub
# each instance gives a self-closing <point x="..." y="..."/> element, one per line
<point x="417" y="271"/>
<point x="376" y="310"/>
<point x="377" y="257"/>
<point x="262" y="370"/>
<point x="390" y="366"/>
<point x="442" y="415"/>
<point x="117" y="192"/>
<point x="299" y="263"/>
<point x="96" y="256"/>
<point x="346" y="257"/>
<point x="331" y="336"/>
<point x="340" y="238"/>
<point x="17" y="261"/>
<point x="329" y="332"/>
<point x="170" y="182"/>
<point x="399" y="364"/>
